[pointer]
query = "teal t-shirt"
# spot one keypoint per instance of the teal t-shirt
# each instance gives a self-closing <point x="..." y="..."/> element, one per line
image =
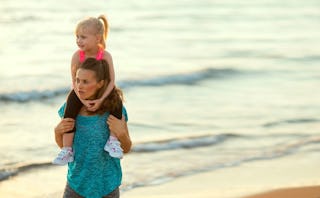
<point x="93" y="173"/>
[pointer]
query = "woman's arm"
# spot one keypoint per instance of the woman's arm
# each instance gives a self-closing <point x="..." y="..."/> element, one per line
<point x="120" y="129"/>
<point x="63" y="126"/>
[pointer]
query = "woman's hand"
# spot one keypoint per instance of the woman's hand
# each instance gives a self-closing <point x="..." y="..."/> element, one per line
<point x="116" y="126"/>
<point x="64" y="125"/>
<point x="120" y="129"/>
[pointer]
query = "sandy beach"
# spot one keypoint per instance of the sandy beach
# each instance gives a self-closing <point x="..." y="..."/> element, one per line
<point x="279" y="178"/>
<point x="298" y="192"/>
<point x="189" y="189"/>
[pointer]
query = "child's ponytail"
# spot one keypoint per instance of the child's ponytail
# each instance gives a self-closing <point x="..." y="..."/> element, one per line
<point x="105" y="30"/>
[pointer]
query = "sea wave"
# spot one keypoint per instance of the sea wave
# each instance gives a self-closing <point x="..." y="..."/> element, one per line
<point x="182" y="78"/>
<point x="291" y="121"/>
<point x="17" y="19"/>
<point x="189" y="143"/>
<point x="12" y="170"/>
<point x="26" y="96"/>
<point x="255" y="153"/>
<point x="178" y="79"/>
<point x="266" y="153"/>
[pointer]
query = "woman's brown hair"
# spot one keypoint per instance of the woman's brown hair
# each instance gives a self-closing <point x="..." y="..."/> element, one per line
<point x="101" y="69"/>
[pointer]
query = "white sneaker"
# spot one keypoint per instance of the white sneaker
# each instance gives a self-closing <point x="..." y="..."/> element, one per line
<point x="64" y="157"/>
<point x="113" y="147"/>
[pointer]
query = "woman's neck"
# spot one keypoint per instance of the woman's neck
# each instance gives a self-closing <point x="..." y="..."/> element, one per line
<point x="83" y="111"/>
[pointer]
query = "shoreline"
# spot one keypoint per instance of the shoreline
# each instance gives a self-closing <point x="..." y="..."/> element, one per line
<point x="211" y="185"/>
<point x="45" y="182"/>
<point x="185" y="187"/>
<point x="258" y="179"/>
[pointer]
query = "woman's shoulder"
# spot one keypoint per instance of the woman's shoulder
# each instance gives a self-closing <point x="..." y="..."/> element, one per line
<point x="125" y="113"/>
<point x="61" y="110"/>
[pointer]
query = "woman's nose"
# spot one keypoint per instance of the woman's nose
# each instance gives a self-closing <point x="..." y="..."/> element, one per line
<point x="79" y="85"/>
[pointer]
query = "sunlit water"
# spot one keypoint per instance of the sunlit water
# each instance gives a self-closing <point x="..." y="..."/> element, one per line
<point x="208" y="84"/>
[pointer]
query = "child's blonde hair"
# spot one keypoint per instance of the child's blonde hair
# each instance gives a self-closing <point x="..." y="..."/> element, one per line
<point x="99" y="25"/>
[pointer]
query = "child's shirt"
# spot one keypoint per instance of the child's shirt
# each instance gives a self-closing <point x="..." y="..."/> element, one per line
<point x="82" y="55"/>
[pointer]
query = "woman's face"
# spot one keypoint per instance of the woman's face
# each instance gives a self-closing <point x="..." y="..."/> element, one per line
<point x="87" y="84"/>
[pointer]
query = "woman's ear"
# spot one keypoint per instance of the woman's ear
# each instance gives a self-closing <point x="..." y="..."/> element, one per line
<point x="100" y="84"/>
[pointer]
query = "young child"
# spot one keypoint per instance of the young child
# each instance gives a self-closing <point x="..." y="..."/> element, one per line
<point x="91" y="34"/>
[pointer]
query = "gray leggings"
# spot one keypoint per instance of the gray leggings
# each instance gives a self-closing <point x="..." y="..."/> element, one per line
<point x="69" y="193"/>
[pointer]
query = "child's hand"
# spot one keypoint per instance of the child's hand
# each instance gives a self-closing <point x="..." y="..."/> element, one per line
<point x="94" y="105"/>
<point x="86" y="103"/>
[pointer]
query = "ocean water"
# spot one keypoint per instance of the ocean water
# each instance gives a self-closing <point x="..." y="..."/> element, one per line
<point x="208" y="84"/>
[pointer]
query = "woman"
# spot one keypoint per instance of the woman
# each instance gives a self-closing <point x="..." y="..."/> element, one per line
<point x="94" y="173"/>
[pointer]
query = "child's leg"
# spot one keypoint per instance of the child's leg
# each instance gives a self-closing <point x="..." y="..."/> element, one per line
<point x="67" y="139"/>
<point x="117" y="113"/>
<point x="113" y="145"/>
<point x="73" y="107"/>
<point x="66" y="154"/>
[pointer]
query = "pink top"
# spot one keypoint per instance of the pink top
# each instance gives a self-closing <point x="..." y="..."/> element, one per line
<point x="82" y="55"/>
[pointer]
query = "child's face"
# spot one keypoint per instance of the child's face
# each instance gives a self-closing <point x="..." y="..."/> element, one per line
<point x="86" y="40"/>
<point x="86" y="83"/>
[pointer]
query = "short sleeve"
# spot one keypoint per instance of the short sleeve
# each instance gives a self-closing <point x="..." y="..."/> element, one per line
<point x="61" y="110"/>
<point x="124" y="112"/>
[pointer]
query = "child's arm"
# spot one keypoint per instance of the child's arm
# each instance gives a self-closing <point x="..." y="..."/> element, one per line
<point x="95" y="104"/>
<point x="74" y="63"/>
<point x="111" y="84"/>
